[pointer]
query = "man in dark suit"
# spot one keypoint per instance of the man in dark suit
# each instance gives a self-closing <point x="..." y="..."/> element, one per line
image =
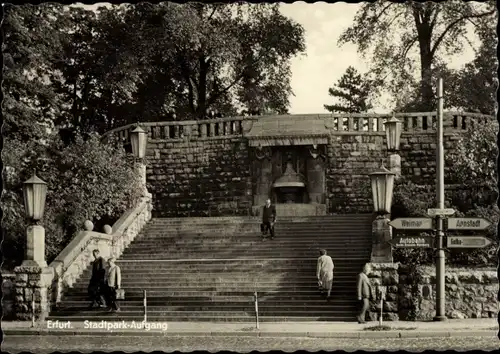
<point x="97" y="286"/>
<point x="365" y="292"/>
<point x="268" y="219"/>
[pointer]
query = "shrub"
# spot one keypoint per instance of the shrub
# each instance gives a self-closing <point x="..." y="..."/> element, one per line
<point x="87" y="179"/>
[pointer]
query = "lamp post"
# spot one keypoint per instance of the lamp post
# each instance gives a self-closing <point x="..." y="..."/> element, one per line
<point x="35" y="192"/>
<point x="393" y="140"/>
<point x="139" y="140"/>
<point x="382" y="181"/>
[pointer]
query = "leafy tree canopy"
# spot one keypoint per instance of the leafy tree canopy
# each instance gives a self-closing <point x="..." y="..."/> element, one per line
<point x="388" y="33"/>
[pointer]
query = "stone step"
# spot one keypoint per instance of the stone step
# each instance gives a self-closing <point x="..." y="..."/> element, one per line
<point x="157" y="297"/>
<point x="219" y="252"/>
<point x="225" y="302"/>
<point x="214" y="314"/>
<point x="172" y="277"/>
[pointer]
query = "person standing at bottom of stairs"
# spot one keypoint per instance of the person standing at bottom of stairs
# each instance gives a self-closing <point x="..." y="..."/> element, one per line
<point x="365" y="292"/>
<point x="113" y="280"/>
<point x="268" y="219"/>
<point x="324" y="273"/>
<point x="97" y="286"/>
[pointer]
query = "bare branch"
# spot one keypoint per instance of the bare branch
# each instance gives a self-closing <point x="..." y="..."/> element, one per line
<point x="453" y="24"/>
<point x="408" y="46"/>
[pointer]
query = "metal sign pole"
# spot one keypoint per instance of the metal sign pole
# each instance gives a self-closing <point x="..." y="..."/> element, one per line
<point x="256" y="310"/>
<point x="440" y="260"/>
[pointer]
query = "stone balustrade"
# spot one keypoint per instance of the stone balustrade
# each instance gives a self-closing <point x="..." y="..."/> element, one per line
<point x="359" y="124"/>
<point x="46" y="285"/>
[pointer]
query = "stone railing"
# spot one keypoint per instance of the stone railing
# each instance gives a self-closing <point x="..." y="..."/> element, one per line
<point x="46" y="285"/>
<point x="77" y="256"/>
<point x="172" y="131"/>
<point x="363" y="123"/>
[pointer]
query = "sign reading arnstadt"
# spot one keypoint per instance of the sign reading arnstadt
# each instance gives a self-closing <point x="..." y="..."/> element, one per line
<point x="467" y="241"/>
<point x="412" y="223"/>
<point x="412" y="242"/>
<point x="442" y="212"/>
<point x="467" y="224"/>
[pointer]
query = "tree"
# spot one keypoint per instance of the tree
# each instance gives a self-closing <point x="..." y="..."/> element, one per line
<point x="353" y="92"/>
<point x="389" y="31"/>
<point x="473" y="88"/>
<point x="221" y="56"/>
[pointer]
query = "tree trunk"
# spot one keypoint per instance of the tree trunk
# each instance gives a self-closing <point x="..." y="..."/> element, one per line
<point x="423" y="25"/>
<point x="202" y="87"/>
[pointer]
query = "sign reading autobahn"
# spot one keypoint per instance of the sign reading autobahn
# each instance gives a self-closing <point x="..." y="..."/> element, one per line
<point x="467" y="224"/>
<point x="412" y="242"/>
<point x="412" y="223"/>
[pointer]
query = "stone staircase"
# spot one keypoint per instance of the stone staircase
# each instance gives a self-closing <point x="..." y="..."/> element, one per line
<point x="207" y="269"/>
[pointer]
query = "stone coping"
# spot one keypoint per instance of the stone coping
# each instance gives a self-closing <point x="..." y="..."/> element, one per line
<point x="124" y="221"/>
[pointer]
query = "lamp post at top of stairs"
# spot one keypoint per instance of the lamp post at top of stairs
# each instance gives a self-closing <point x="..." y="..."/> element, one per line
<point x="139" y="141"/>
<point x="382" y="183"/>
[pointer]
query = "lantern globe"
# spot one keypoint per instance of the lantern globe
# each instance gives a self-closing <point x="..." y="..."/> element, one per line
<point x="382" y="182"/>
<point x="35" y="192"/>
<point x="393" y="133"/>
<point x="138" y="139"/>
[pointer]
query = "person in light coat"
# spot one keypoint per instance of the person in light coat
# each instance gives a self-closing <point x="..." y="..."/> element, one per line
<point x="324" y="273"/>
<point x="113" y="280"/>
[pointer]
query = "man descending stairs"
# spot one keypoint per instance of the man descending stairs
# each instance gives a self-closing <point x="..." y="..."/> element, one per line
<point x="207" y="269"/>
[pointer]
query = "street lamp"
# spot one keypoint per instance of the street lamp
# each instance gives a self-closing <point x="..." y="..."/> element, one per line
<point x="139" y="140"/>
<point x="35" y="191"/>
<point x="393" y="133"/>
<point x="382" y="181"/>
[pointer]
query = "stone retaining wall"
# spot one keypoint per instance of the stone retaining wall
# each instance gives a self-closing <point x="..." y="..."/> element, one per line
<point x="410" y="292"/>
<point x="203" y="168"/>
<point x="470" y="293"/>
<point x="8" y="295"/>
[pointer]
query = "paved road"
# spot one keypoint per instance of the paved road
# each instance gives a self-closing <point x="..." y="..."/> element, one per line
<point x="46" y="344"/>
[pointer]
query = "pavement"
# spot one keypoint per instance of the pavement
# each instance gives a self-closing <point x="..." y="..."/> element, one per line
<point x="400" y="329"/>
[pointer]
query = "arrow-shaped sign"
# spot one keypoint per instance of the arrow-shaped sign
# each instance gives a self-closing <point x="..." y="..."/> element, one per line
<point x="441" y="212"/>
<point x="467" y="224"/>
<point x="467" y="241"/>
<point x="412" y="242"/>
<point x="412" y="223"/>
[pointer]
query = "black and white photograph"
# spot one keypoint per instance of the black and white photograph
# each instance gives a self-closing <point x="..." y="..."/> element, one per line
<point x="238" y="176"/>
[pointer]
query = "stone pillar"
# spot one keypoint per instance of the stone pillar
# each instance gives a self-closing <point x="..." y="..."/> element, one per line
<point x="264" y="177"/>
<point x="316" y="180"/>
<point x="395" y="165"/>
<point x="141" y="167"/>
<point x="33" y="285"/>
<point x="35" y="247"/>
<point x="385" y="277"/>
<point x="381" y="235"/>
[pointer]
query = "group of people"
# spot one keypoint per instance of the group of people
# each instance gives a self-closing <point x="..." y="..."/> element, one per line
<point x="324" y="268"/>
<point x="104" y="283"/>
<point x="364" y="289"/>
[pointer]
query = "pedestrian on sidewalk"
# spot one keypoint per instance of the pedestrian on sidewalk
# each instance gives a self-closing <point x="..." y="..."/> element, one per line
<point x="268" y="220"/>
<point x="324" y="273"/>
<point x="97" y="286"/>
<point x="113" y="281"/>
<point x="365" y="292"/>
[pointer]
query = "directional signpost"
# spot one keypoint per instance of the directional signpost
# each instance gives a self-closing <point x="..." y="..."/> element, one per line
<point x="412" y="223"/>
<point x="440" y="212"/>
<point x="412" y="242"/>
<point x="467" y="224"/>
<point x="467" y="242"/>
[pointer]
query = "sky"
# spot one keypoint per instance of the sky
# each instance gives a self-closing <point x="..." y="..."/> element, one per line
<point x="324" y="62"/>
